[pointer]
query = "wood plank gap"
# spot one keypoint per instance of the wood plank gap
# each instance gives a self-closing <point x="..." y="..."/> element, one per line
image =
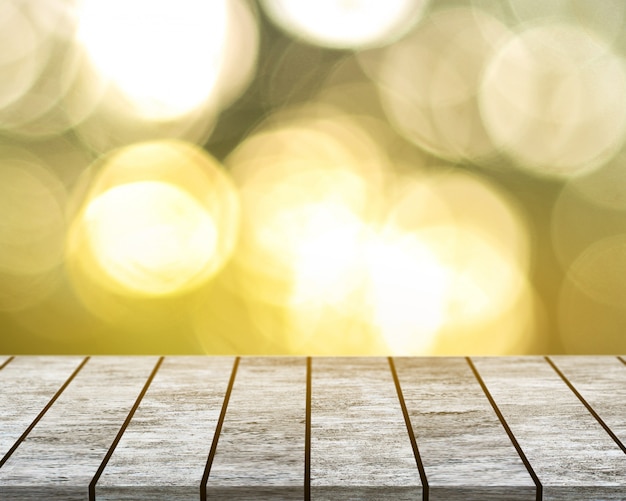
<point x="307" y="434"/>
<point x="587" y="405"/>
<point x="43" y="411"/>
<point x="218" y="430"/>
<point x="508" y="430"/>
<point x="6" y="362"/>
<point x="622" y="360"/>
<point x="409" y="428"/>
<point x="96" y="477"/>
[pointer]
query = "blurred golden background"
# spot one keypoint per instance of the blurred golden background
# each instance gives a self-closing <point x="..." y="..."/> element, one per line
<point x="334" y="177"/>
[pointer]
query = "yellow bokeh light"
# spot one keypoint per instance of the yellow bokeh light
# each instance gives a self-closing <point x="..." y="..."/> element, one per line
<point x="554" y="98"/>
<point x="158" y="220"/>
<point x="604" y="19"/>
<point x="167" y="69"/>
<point x="429" y="82"/>
<point x="37" y="51"/>
<point x="32" y="229"/>
<point x="165" y="57"/>
<point x="407" y="291"/>
<point x="151" y="237"/>
<point x="604" y="187"/>
<point x="327" y="238"/>
<point x="340" y="24"/>
<point x="597" y="270"/>
<point x="378" y="166"/>
<point x="31" y="203"/>
<point x="18" y="53"/>
<point x="487" y="211"/>
<point x="487" y="281"/>
<point x="306" y="189"/>
<point x="342" y="253"/>
<point x="592" y="310"/>
<point x="577" y="221"/>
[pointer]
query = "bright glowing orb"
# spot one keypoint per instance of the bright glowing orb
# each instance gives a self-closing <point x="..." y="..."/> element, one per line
<point x="151" y="237"/>
<point x="554" y="98"/>
<point x="341" y="24"/>
<point x="408" y="288"/>
<point x="164" y="56"/>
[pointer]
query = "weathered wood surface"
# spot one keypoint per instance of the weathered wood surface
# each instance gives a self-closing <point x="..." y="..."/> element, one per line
<point x="27" y="384"/>
<point x="601" y="381"/>
<point x="360" y="447"/>
<point x="63" y="452"/>
<point x="260" y="453"/>
<point x="466" y="452"/>
<point x="573" y="456"/>
<point x="4" y="360"/>
<point x="164" y="450"/>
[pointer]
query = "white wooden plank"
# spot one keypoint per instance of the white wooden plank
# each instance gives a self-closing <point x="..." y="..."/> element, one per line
<point x="601" y="381"/>
<point x="4" y="360"/>
<point x="164" y="450"/>
<point x="27" y="384"/>
<point x="571" y="453"/>
<point x="466" y="452"/>
<point x="360" y="446"/>
<point x="260" y="453"/>
<point x="63" y="452"/>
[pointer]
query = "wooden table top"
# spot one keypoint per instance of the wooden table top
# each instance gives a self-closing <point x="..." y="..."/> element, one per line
<point x="408" y="428"/>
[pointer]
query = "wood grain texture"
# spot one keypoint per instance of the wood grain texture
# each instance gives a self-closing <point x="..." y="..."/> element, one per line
<point x="163" y="452"/>
<point x="260" y="453"/>
<point x="3" y="360"/>
<point x="360" y="447"/>
<point x="26" y="385"/>
<point x="571" y="453"/>
<point x="63" y="452"/>
<point x="466" y="452"/>
<point x="601" y="380"/>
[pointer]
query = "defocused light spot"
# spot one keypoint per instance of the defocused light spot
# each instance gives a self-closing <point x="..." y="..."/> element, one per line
<point x="306" y="191"/>
<point x="165" y="57"/>
<point x="341" y="253"/>
<point x="240" y="53"/>
<point x="407" y="293"/>
<point x="310" y="182"/>
<point x="32" y="228"/>
<point x="592" y="311"/>
<point x="327" y="240"/>
<point x="199" y="70"/>
<point x="478" y="204"/>
<point x="430" y="80"/>
<point x="151" y="237"/>
<point x="158" y="220"/>
<point x="605" y="186"/>
<point x="604" y="19"/>
<point x="465" y="253"/>
<point x="487" y="281"/>
<point x="600" y="269"/>
<point x="341" y="24"/>
<point x="510" y="330"/>
<point x="37" y="51"/>
<point x="18" y="53"/>
<point x="428" y="288"/>
<point x="31" y="204"/>
<point x="554" y="98"/>
<point x="577" y="222"/>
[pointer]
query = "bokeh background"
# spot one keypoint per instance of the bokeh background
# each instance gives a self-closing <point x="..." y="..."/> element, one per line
<point x="331" y="177"/>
